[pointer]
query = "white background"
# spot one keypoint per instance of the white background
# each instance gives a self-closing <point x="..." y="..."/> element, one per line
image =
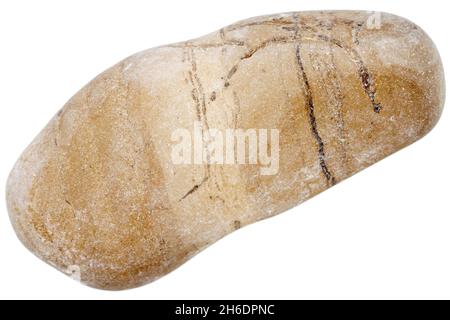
<point x="384" y="233"/>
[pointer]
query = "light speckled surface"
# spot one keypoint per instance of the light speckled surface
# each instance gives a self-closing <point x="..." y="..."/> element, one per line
<point x="97" y="188"/>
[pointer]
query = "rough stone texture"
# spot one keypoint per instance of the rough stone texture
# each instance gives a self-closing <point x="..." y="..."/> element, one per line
<point x="97" y="189"/>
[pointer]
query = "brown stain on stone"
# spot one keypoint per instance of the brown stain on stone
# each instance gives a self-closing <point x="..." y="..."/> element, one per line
<point x="98" y="220"/>
<point x="39" y="225"/>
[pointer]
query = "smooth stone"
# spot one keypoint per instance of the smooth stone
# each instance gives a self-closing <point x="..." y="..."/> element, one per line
<point x="97" y="192"/>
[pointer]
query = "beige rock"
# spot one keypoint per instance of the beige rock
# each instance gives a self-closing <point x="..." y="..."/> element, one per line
<point x="98" y="191"/>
